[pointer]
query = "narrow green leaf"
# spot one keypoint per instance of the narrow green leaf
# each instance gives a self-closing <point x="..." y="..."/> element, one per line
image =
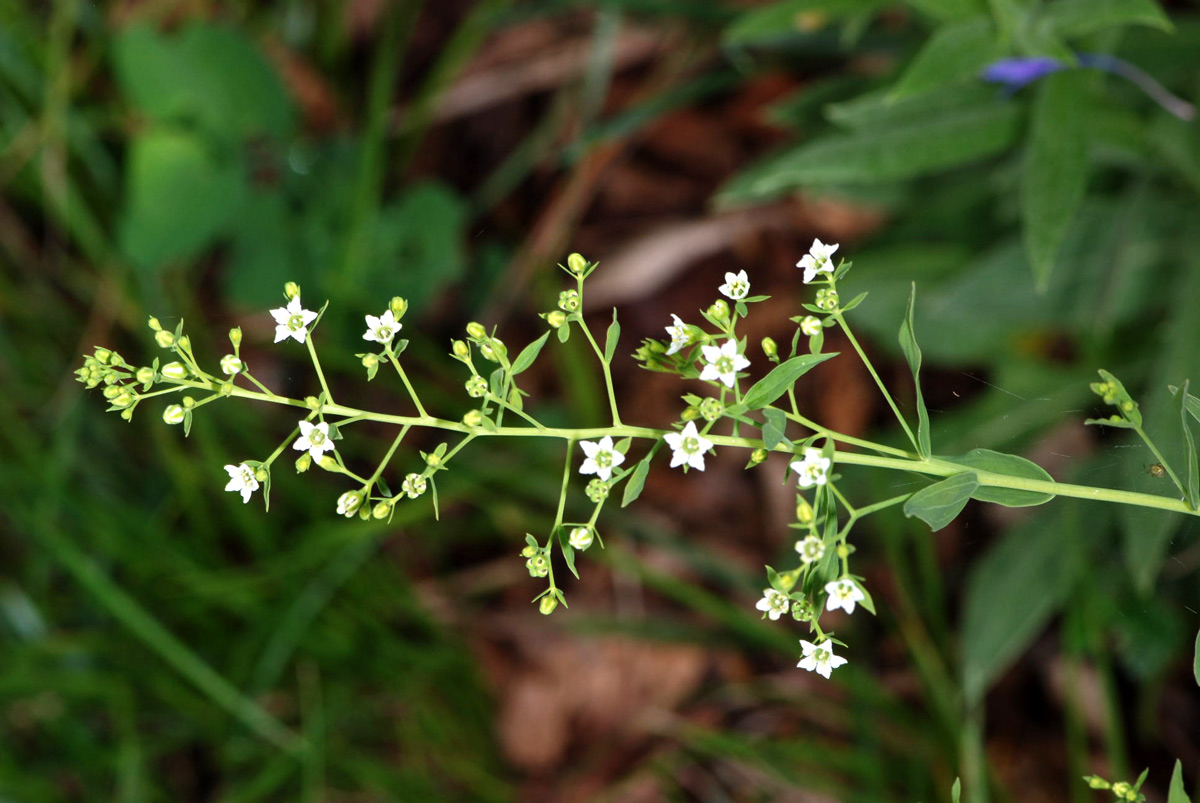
<point x="955" y="53"/>
<point x="1196" y="660"/>
<point x="774" y="427"/>
<point x="1054" y="173"/>
<point x="782" y="377"/>
<point x="1192" y="403"/>
<point x="956" y="790"/>
<point x="912" y="354"/>
<point x="1189" y="449"/>
<point x="1071" y="18"/>
<point x="938" y="504"/>
<point x="610" y="342"/>
<point x="568" y="551"/>
<point x="1010" y="465"/>
<point x="633" y="486"/>
<point x="1176" y="792"/>
<point x="529" y="354"/>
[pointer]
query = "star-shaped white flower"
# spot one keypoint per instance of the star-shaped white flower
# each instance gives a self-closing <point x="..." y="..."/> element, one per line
<point x="843" y="593"/>
<point x="292" y="321"/>
<point x="810" y="325"/>
<point x="817" y="260"/>
<point x="773" y="603"/>
<point x="315" y="438"/>
<point x="813" y="469"/>
<point x="241" y="480"/>
<point x="681" y="335"/>
<point x="383" y="328"/>
<point x="602" y="458"/>
<point x="811" y="549"/>
<point x="723" y="362"/>
<point x="736" y="287"/>
<point x="819" y="657"/>
<point x="688" y="447"/>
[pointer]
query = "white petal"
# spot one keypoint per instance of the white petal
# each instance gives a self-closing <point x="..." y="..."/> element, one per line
<point x="696" y="461"/>
<point x="710" y="372"/>
<point x="617" y="458"/>
<point x="281" y="315"/>
<point x="589" y="448"/>
<point x="674" y="439"/>
<point x="711" y="353"/>
<point x="678" y="458"/>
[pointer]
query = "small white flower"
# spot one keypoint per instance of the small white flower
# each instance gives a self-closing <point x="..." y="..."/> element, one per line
<point x="292" y="321"/>
<point x="813" y="469"/>
<point x="241" y="480"/>
<point x="811" y="549"/>
<point x="382" y="329"/>
<point x="723" y="363"/>
<point x="174" y="370"/>
<point x="681" y="335"/>
<point x="817" y="260"/>
<point x="230" y="365"/>
<point x="688" y="447"/>
<point x="602" y="458"/>
<point x="773" y="603"/>
<point x="174" y="414"/>
<point x="580" y="538"/>
<point x="811" y="325"/>
<point x="315" y="438"/>
<point x="349" y="503"/>
<point x="843" y="593"/>
<point x="413" y="485"/>
<point x="819" y="657"/>
<point x="736" y="287"/>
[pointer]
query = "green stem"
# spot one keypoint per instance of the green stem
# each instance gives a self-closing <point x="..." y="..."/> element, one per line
<point x="608" y="383"/>
<point x="878" y="382"/>
<point x="840" y="438"/>
<point x="388" y="457"/>
<point x="412" y="393"/>
<point x="1162" y="461"/>
<point x="312" y="352"/>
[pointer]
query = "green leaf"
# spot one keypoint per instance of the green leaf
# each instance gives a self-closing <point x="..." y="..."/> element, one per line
<point x="610" y="340"/>
<point x="1192" y="403"/>
<point x="912" y="354"/>
<point x="1071" y="18"/>
<point x="956" y="790"/>
<point x="876" y="155"/>
<point x="776" y="23"/>
<point x="1176" y="792"/>
<point x="1010" y="465"/>
<point x="1054" y="173"/>
<point x="529" y="354"/>
<point x="633" y="486"/>
<point x="782" y="377"/>
<point x="568" y="551"/>
<point x="1189" y="450"/>
<point x="946" y="9"/>
<point x="938" y="504"/>
<point x="774" y="426"/>
<point x="955" y="53"/>
<point x="1196" y="660"/>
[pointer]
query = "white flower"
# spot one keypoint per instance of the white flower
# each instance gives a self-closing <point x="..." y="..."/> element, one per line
<point x="723" y="363"/>
<point x="383" y="328"/>
<point x="349" y="503"/>
<point x="736" y="287"/>
<point x="580" y="538"/>
<point x="819" y="657"/>
<point x="174" y="414"/>
<point x="241" y="480"/>
<point x="689" y="447"/>
<point x="843" y="593"/>
<point x="811" y="549"/>
<point x="413" y="485"/>
<point x="774" y="603"/>
<point x="315" y="438"/>
<point x="602" y="458"/>
<point x="813" y="469"/>
<point x="811" y="325"/>
<point x="817" y="260"/>
<point x="681" y="335"/>
<point x="230" y="365"/>
<point x="292" y="321"/>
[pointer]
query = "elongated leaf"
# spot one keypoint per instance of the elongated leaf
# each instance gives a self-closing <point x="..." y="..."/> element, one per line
<point x="955" y="53"/>
<point x="1191" y="402"/>
<point x="912" y="353"/>
<point x="529" y="354"/>
<point x="1010" y="465"/>
<point x="610" y="341"/>
<point x="939" y="504"/>
<point x="633" y="486"/>
<point x="1054" y="174"/>
<point x="1189" y="451"/>
<point x="1196" y="660"/>
<point x="956" y="790"/>
<point x="1080" y="17"/>
<point x="773" y="428"/>
<point x="782" y="377"/>
<point x="1176" y="792"/>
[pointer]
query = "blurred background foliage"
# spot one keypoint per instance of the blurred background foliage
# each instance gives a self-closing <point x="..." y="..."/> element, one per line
<point x="161" y="642"/>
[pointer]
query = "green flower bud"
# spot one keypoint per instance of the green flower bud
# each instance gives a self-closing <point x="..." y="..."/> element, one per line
<point x="291" y="290"/>
<point x="112" y="391"/>
<point x="719" y="310"/>
<point x="164" y="339"/>
<point x="804" y="511"/>
<point x="475" y="330"/>
<point x="184" y="343"/>
<point x="1096" y="782"/>
<point x="568" y="301"/>
<point x="711" y="409"/>
<point x="555" y="318"/>
<point x="477" y="387"/>
<point x="433" y="459"/>
<point x="843" y="551"/>
<point x="398" y="306"/>
<point x="577" y="264"/>
<point x="235" y="336"/>
<point x="127" y="414"/>
<point x="548" y="604"/>
<point x="1121" y="789"/>
<point x="145" y="375"/>
<point x="827" y="299"/>
<point x="102" y="355"/>
<point x="597" y="490"/>
<point x="381" y="510"/>
<point x="529" y="551"/>
<point x="489" y="351"/>
<point x="231" y="364"/>
<point x="769" y="348"/>
<point x="349" y="503"/>
<point x="303" y="463"/>
<point x="328" y="463"/>
<point x="261" y="474"/>
<point x="690" y="414"/>
<point x="538" y="566"/>
<point x="460" y="349"/>
<point x="174" y="370"/>
<point x="473" y="418"/>
<point x="174" y="414"/>
<point x="226" y="388"/>
<point x="312" y="402"/>
<point x="154" y="325"/>
<point x="188" y="402"/>
<point x="758" y="456"/>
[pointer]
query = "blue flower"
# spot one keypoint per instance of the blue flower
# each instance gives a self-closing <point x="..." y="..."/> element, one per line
<point x="1017" y="73"/>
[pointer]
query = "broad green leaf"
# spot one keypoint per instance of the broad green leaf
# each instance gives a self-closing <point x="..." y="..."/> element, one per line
<point x="1176" y="792"/>
<point x="912" y="354"/>
<point x="529" y="354"/>
<point x="1054" y="172"/>
<point x="1071" y="18"/>
<point x="955" y="53"/>
<point x="878" y="109"/>
<point x="886" y="154"/>
<point x="610" y="340"/>
<point x="1189" y="451"/>
<point x="1010" y="465"/>
<point x="938" y="504"/>
<point x="1011" y="594"/>
<point x="633" y="486"/>
<point x="782" y="377"/>
<point x="774" y="427"/>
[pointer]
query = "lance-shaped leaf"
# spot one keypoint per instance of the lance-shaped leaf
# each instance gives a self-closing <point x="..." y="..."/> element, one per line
<point x="912" y="353"/>
<point x="1010" y="465"/>
<point x="782" y="377"/>
<point x="529" y="354"/>
<point x="938" y="504"/>
<point x="1189" y="450"/>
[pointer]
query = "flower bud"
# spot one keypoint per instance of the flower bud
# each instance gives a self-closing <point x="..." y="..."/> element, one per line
<point x="804" y="511"/>
<point x="164" y="339"/>
<point x="580" y="538"/>
<point x="145" y="375"/>
<point x="548" y="604"/>
<point x="689" y="414"/>
<point x="381" y="510"/>
<point x="174" y="370"/>
<point x="188" y="402"/>
<point x="184" y="343"/>
<point x="460" y="349"/>
<point x="154" y="325"/>
<point x="538" y="565"/>
<point x="291" y="290"/>
<point x="261" y="474"/>
<point x="398" y="306"/>
<point x="556" y="318"/>
<point x="312" y="402"/>
<point x="488" y="351"/>
<point x="473" y="418"/>
<point x="328" y="463"/>
<point x="303" y="463"/>
<point x="433" y="459"/>
<point x="235" y="336"/>
<point x="231" y="364"/>
<point x="349" y="503"/>
<point x="226" y="388"/>
<point x="112" y="391"/>
<point x="568" y="301"/>
<point x="577" y="264"/>
<point x="827" y="299"/>
<point x="1121" y="789"/>
<point x="597" y="490"/>
<point x="711" y="408"/>
<point x="127" y="414"/>
<point x="529" y="551"/>
<point x="477" y="387"/>
<point x="769" y="348"/>
<point x="758" y="456"/>
<point x="719" y="310"/>
<point x="123" y="399"/>
<point x="1096" y="782"/>
<point x="475" y="329"/>
<point x="173" y="414"/>
<point x="102" y="355"/>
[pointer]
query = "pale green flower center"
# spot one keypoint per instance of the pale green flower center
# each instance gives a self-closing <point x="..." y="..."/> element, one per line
<point x="316" y="437"/>
<point x="295" y="322"/>
<point x="690" y="445"/>
<point x="725" y="365"/>
<point x="603" y="459"/>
